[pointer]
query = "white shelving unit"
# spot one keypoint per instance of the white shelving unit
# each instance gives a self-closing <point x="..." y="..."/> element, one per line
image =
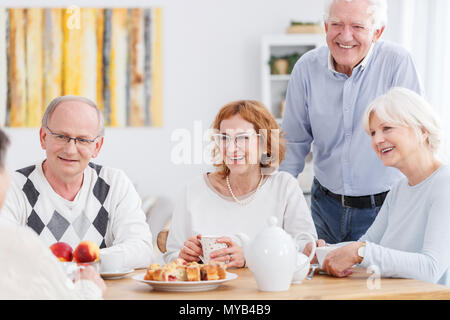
<point x="274" y="86"/>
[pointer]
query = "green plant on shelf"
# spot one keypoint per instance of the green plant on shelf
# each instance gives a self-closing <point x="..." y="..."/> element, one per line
<point x="291" y="60"/>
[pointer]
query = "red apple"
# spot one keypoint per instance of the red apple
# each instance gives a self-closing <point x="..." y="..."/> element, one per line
<point x="86" y="251"/>
<point x="62" y="251"/>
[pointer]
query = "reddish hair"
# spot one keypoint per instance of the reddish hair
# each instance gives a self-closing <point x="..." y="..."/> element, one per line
<point x="263" y="122"/>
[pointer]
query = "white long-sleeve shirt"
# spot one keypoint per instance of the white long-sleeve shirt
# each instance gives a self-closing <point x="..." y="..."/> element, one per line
<point x="410" y="238"/>
<point x="106" y="210"/>
<point x="203" y="210"/>
<point x="28" y="269"/>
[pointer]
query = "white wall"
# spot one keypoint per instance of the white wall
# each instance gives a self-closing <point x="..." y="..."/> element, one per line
<point x="211" y="57"/>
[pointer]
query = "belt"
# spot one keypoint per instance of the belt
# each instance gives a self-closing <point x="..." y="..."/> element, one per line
<point x="362" y="202"/>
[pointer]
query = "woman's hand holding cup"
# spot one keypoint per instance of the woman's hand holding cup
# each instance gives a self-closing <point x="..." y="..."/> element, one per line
<point x="192" y="249"/>
<point x="233" y="255"/>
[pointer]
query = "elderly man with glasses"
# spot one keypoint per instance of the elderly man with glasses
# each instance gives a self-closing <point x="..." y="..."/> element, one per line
<point x="68" y="198"/>
<point x="329" y="89"/>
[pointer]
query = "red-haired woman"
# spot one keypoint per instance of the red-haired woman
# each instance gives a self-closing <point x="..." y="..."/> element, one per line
<point x="244" y="191"/>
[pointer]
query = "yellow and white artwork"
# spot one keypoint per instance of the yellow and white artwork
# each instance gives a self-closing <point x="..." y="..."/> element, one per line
<point x="110" y="55"/>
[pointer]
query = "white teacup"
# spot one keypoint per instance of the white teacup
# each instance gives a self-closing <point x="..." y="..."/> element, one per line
<point x="210" y="244"/>
<point x="304" y="262"/>
<point x="321" y="252"/>
<point x="112" y="261"/>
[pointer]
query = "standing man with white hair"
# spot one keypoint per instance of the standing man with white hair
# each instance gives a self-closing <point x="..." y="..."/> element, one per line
<point x="329" y="89"/>
<point x="67" y="198"/>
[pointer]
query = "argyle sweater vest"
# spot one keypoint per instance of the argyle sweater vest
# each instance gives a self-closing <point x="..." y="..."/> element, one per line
<point x="56" y="219"/>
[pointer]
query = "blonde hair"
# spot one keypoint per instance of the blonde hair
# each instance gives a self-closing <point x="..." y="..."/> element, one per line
<point x="403" y="107"/>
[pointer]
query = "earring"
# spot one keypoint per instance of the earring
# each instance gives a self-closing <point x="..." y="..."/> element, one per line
<point x="265" y="159"/>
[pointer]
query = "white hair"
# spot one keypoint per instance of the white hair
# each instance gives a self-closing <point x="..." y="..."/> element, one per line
<point x="403" y="107"/>
<point x="377" y="8"/>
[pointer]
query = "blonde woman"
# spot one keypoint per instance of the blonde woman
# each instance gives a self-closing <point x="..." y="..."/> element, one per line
<point x="244" y="191"/>
<point x="409" y="238"/>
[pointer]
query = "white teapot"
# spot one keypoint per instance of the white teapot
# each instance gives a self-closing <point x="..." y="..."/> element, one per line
<point x="274" y="259"/>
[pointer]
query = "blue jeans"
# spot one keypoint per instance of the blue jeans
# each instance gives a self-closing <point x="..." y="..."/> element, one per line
<point x="335" y="223"/>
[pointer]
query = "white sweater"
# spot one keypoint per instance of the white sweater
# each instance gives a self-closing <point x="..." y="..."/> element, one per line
<point x="410" y="238"/>
<point x="28" y="270"/>
<point x="202" y="210"/>
<point x="107" y="211"/>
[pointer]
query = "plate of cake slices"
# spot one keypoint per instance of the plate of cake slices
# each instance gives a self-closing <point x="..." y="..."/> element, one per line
<point x="181" y="276"/>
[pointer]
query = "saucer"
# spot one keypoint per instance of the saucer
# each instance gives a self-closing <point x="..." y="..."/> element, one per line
<point x="110" y="275"/>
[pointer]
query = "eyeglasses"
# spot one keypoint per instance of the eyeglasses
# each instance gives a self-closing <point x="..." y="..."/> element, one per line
<point x="61" y="139"/>
<point x="241" y="140"/>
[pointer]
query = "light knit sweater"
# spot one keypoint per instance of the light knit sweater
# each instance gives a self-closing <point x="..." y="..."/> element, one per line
<point x="410" y="237"/>
<point x="106" y="210"/>
<point x="28" y="269"/>
<point x="202" y="210"/>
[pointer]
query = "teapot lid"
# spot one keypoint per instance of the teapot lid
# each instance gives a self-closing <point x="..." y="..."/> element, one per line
<point x="273" y="230"/>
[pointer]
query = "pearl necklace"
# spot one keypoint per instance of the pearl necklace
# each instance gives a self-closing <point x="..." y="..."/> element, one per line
<point x="249" y="199"/>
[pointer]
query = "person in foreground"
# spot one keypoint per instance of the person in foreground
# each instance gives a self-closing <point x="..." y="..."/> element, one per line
<point x="29" y="270"/>
<point x="409" y="238"/>
<point x="67" y="198"/>
<point x="243" y="193"/>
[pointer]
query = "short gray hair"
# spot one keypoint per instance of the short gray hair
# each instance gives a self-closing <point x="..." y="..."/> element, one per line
<point x="378" y="10"/>
<point x="57" y="101"/>
<point x="404" y="107"/>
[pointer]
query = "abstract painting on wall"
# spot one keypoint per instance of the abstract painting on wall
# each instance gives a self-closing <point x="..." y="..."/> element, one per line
<point x="110" y="55"/>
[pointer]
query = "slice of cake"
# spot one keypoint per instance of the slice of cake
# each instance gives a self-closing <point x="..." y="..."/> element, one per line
<point x="169" y="273"/>
<point x="157" y="274"/>
<point x="180" y="273"/>
<point x="221" y="268"/>
<point x="193" y="272"/>
<point x="209" y="272"/>
<point x="151" y="270"/>
<point x="174" y="272"/>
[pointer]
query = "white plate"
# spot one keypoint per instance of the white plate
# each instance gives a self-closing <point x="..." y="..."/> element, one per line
<point x="184" y="286"/>
<point x="115" y="275"/>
